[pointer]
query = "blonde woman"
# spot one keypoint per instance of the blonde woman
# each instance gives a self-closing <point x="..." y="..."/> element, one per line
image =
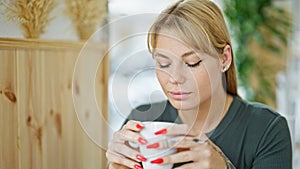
<point x="216" y="128"/>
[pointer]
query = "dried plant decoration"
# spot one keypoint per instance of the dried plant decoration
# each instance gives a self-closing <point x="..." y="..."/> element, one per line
<point x="9" y="12"/>
<point x="86" y="15"/>
<point x="32" y="15"/>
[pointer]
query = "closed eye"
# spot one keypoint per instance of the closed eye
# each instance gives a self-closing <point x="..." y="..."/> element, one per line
<point x="195" y="64"/>
<point x="163" y="66"/>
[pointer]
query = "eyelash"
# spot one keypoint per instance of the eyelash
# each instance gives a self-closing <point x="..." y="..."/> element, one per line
<point x="195" y="64"/>
<point x="189" y="65"/>
<point x="163" y="66"/>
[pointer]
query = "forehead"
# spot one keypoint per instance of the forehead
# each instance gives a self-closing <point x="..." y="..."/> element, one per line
<point x="171" y="47"/>
<point x="168" y="43"/>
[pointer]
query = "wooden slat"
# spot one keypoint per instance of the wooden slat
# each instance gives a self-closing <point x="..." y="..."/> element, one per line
<point x="8" y="111"/>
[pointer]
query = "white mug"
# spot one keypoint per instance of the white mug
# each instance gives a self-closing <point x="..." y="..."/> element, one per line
<point x="151" y="154"/>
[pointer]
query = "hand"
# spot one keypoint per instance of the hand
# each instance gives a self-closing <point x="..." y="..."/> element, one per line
<point x="117" y="166"/>
<point x="120" y="154"/>
<point x="200" y="153"/>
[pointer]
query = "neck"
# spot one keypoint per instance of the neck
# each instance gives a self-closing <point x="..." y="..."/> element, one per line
<point x="208" y="115"/>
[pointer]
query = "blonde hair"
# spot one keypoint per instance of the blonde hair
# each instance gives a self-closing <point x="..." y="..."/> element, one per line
<point x="201" y="25"/>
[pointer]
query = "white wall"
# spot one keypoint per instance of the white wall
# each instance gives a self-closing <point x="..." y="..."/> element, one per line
<point x="60" y="28"/>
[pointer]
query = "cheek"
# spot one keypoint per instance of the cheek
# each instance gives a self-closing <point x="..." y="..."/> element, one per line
<point x="162" y="78"/>
<point x="211" y="79"/>
<point x="204" y="84"/>
<point x="201" y="82"/>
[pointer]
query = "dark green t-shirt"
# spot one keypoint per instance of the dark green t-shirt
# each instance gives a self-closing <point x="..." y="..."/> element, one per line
<point x="251" y="135"/>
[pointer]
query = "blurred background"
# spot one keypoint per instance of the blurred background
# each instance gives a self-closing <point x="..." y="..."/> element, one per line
<point x="48" y="118"/>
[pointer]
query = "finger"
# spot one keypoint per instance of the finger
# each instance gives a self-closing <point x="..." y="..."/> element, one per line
<point x="176" y="129"/>
<point x="117" y="166"/>
<point x="133" y="125"/>
<point x="177" y="142"/>
<point x="127" y="152"/>
<point x="179" y="129"/>
<point x="193" y="165"/>
<point x="127" y="135"/>
<point x="206" y="144"/>
<point x="201" y="153"/>
<point x="182" y="157"/>
<point x="184" y="142"/>
<point x="118" y="160"/>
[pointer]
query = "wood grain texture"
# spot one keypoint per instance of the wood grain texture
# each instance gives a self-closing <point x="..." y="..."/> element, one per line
<point x="44" y="131"/>
<point x="9" y="146"/>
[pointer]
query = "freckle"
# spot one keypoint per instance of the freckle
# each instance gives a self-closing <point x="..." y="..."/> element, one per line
<point x="10" y="95"/>
<point x="0" y="91"/>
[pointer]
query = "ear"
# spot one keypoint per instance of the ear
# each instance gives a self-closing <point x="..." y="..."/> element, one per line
<point x="226" y="58"/>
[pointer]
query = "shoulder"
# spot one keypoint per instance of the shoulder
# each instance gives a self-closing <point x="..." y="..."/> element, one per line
<point x="263" y="123"/>
<point x="162" y="111"/>
<point x="261" y="113"/>
<point x="269" y="137"/>
<point x="261" y="134"/>
<point x="257" y="112"/>
<point x="255" y="121"/>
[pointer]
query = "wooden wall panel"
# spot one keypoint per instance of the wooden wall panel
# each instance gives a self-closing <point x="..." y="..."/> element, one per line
<point x="43" y="93"/>
<point x="50" y="136"/>
<point x="86" y="103"/>
<point x="8" y="111"/>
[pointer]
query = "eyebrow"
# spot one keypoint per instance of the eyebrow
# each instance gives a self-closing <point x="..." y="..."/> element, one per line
<point x="186" y="54"/>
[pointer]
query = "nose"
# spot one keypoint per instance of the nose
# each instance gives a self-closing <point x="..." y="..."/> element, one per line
<point x="177" y="77"/>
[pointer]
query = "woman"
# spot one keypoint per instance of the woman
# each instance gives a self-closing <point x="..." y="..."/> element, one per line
<point x="216" y="129"/>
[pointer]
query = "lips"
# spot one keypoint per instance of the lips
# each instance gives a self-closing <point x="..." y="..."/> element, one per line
<point x="179" y="95"/>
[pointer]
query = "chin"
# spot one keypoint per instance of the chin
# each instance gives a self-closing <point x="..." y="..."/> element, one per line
<point x="183" y="104"/>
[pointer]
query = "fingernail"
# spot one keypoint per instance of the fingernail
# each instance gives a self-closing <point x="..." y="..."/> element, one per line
<point x="142" y="141"/>
<point x="136" y="166"/>
<point x="157" y="161"/>
<point x="154" y="145"/>
<point x="139" y="126"/>
<point x="141" y="158"/>
<point x="162" y="131"/>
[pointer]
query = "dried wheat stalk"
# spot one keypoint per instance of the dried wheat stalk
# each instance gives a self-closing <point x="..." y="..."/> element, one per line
<point x="32" y="15"/>
<point x="86" y="15"/>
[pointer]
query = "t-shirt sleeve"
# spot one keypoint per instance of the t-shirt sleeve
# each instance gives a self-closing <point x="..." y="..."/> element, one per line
<point x="274" y="150"/>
